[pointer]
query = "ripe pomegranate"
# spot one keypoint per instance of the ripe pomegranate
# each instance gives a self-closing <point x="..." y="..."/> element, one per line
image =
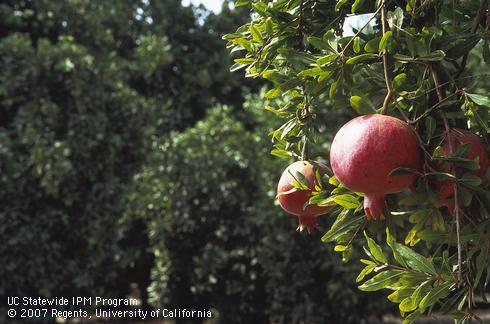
<point x="366" y="150"/>
<point x="293" y="201"/>
<point x="445" y="189"/>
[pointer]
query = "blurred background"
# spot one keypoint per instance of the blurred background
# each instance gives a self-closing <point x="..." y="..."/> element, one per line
<point x="133" y="163"/>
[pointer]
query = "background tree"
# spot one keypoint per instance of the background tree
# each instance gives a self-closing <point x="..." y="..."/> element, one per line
<point x="85" y="87"/>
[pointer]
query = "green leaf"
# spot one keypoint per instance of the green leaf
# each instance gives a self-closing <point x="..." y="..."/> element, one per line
<point x="430" y="127"/>
<point x="340" y="248"/>
<point x="486" y="52"/>
<point x="340" y="4"/>
<point x="400" y="171"/>
<point x="311" y="72"/>
<point x="480" y="100"/>
<point x="300" y="182"/>
<point x="361" y="58"/>
<point x="326" y="59"/>
<point x="318" y="43"/>
<point x="471" y="180"/>
<point x="237" y="66"/>
<point x="384" y="40"/>
<point x="390" y="240"/>
<point x="433" y="57"/>
<point x="361" y="106"/>
<point x="324" y="202"/>
<point x="420" y="291"/>
<point x="347" y="254"/>
<point x="375" y="250"/>
<point x="256" y="36"/>
<point x="481" y="262"/>
<point x="399" y="81"/>
<point x="356" y="45"/>
<point x="288" y="85"/>
<point x="261" y="9"/>
<point x="395" y="18"/>
<point x="381" y="280"/>
<point x="416" y="261"/>
<point x="435" y="295"/>
<point x="403" y="58"/>
<point x="372" y="46"/>
<point x="281" y="153"/>
<point x="367" y="270"/>
<point x="273" y="93"/>
<point x="463" y="150"/>
<point x="241" y="3"/>
<point x="412" y="317"/>
<point x="333" y="88"/>
<point x="333" y="181"/>
<point x="462" y="47"/>
<point x="407" y="305"/>
<point x="344" y="224"/>
<point x="245" y="60"/>
<point x="347" y="201"/>
<point x="357" y="3"/>
<point x="398" y="295"/>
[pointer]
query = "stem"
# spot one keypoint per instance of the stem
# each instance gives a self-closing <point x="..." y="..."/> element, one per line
<point x="305" y="114"/>
<point x="474" y="27"/>
<point x="390" y="92"/>
<point x="304" y="149"/>
<point x="300" y="23"/>
<point x="361" y="227"/>
<point x="361" y="30"/>
<point x="437" y="81"/>
<point x="392" y="266"/>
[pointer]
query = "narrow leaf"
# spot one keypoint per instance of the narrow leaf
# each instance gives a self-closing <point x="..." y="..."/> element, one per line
<point x="381" y="280"/>
<point x="375" y="250"/>
<point x="435" y="295"/>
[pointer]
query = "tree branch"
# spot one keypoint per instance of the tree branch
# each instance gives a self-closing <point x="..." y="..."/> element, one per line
<point x="389" y="88"/>
<point x="483" y="7"/>
<point x="434" y="68"/>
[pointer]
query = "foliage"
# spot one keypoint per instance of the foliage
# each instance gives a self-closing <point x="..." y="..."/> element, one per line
<point x="207" y="196"/>
<point x="84" y="88"/>
<point x="412" y="64"/>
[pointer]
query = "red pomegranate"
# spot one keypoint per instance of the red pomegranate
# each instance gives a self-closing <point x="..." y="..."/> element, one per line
<point x="293" y="201"/>
<point x="366" y="150"/>
<point x="445" y="189"/>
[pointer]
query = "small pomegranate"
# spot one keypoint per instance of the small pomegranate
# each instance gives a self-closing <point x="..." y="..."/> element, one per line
<point x="445" y="189"/>
<point x="366" y="150"/>
<point x="293" y="201"/>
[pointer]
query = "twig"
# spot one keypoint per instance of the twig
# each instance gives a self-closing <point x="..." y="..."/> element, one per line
<point x="300" y="22"/>
<point x="389" y="88"/>
<point x="439" y="90"/>
<point x="435" y="106"/>
<point x="393" y="266"/>
<point x="360" y="228"/>
<point x="361" y="30"/>
<point x="474" y="27"/>
<point x="449" y="82"/>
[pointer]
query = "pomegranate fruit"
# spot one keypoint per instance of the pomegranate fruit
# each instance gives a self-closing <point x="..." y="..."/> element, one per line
<point x="365" y="151"/>
<point x="445" y="189"/>
<point x="293" y="200"/>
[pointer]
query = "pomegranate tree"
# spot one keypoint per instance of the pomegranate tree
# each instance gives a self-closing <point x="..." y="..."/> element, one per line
<point x="413" y="61"/>
<point x="293" y="195"/>
<point x="366" y="150"/>
<point x="478" y="149"/>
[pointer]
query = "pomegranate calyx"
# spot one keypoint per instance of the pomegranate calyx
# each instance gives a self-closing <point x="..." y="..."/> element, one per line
<point x="307" y="222"/>
<point x="375" y="206"/>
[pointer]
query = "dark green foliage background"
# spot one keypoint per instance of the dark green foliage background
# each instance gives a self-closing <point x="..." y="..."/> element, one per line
<point x="103" y="168"/>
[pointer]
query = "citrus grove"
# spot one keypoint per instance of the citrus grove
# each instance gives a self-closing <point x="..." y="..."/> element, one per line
<point x="409" y="168"/>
